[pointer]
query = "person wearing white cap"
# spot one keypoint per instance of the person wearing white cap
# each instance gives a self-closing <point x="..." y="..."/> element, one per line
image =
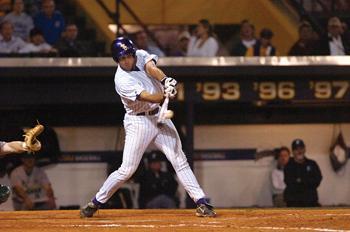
<point x="180" y="48"/>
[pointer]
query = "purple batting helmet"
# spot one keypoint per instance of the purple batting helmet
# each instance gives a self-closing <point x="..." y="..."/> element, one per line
<point x="122" y="46"/>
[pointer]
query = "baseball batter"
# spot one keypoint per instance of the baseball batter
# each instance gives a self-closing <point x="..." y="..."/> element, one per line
<point x="142" y="87"/>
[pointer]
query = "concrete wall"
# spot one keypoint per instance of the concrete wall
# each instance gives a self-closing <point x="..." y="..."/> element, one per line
<point x="246" y="183"/>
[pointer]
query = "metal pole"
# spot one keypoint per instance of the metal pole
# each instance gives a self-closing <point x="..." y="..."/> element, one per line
<point x="333" y="6"/>
<point x="189" y="144"/>
<point x="117" y="17"/>
<point x="138" y="20"/>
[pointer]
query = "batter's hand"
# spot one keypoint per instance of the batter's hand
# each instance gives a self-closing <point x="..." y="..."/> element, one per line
<point x="170" y="92"/>
<point x="168" y="81"/>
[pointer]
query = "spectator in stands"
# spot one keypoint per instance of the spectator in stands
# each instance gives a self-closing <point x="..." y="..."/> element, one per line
<point x="5" y="7"/>
<point x="22" y="23"/>
<point x="157" y="188"/>
<point x="302" y="177"/>
<point x="69" y="45"/>
<point x="142" y="42"/>
<point x="37" y="44"/>
<point x="247" y="39"/>
<point x="8" y="42"/>
<point x="32" y="7"/>
<point x="343" y="5"/>
<point x="334" y="43"/>
<point x="50" y="22"/>
<point x="277" y="177"/>
<point x="31" y="188"/>
<point x="203" y="43"/>
<point x="305" y="44"/>
<point x="263" y="47"/>
<point x="182" y="44"/>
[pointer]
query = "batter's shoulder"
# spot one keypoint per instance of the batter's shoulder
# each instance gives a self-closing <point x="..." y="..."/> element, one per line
<point x="124" y="78"/>
<point x="141" y="52"/>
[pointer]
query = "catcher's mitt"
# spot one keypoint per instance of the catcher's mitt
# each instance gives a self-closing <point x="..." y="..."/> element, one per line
<point x="30" y="140"/>
<point x="4" y="193"/>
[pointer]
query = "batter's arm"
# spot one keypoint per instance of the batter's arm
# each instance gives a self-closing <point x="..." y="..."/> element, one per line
<point x="148" y="97"/>
<point x="153" y="71"/>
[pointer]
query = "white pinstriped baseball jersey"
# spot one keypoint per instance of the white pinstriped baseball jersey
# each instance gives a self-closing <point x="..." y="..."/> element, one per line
<point x="130" y="84"/>
<point x="142" y="130"/>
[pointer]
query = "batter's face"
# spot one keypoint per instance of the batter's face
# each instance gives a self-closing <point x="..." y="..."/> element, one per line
<point x="127" y="62"/>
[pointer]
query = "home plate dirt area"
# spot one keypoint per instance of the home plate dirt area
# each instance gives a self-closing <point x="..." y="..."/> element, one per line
<point x="323" y="219"/>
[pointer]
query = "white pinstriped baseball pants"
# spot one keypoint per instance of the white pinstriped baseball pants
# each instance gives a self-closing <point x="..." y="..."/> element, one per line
<point x="140" y="132"/>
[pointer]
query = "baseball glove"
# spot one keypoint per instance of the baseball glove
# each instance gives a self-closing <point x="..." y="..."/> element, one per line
<point x="30" y="140"/>
<point x="4" y="193"/>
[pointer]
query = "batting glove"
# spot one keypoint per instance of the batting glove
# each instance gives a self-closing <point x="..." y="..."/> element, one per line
<point x="170" y="92"/>
<point x="168" y="81"/>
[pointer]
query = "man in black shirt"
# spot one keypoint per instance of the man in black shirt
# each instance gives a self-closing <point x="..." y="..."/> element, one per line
<point x="69" y="45"/>
<point x="157" y="188"/>
<point x="302" y="177"/>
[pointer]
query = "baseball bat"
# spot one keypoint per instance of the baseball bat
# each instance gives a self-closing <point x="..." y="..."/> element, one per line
<point x="163" y="110"/>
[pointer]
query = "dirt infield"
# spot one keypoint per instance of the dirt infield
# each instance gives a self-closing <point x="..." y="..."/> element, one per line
<point x="179" y="220"/>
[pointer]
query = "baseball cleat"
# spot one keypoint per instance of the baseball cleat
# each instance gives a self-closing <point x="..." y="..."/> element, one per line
<point x="205" y="210"/>
<point x="88" y="210"/>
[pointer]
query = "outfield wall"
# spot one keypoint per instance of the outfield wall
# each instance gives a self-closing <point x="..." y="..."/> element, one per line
<point x="229" y="183"/>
